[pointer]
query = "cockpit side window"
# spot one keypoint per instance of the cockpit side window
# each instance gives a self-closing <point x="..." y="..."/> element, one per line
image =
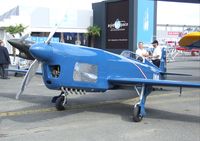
<point x="55" y="70"/>
<point x="85" y="72"/>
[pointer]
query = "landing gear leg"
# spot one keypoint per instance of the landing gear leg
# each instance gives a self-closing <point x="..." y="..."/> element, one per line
<point x="60" y="100"/>
<point x="139" y="108"/>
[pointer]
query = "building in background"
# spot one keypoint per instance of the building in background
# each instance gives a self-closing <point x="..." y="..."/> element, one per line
<point x="171" y="34"/>
<point x="72" y="23"/>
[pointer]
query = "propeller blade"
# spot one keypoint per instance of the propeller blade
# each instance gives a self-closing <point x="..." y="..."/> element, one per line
<point x="51" y="35"/>
<point x="24" y="37"/>
<point x="9" y="36"/>
<point x="29" y="75"/>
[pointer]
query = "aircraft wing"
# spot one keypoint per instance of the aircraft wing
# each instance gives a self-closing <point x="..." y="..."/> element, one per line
<point x="134" y="81"/>
<point x="23" y="71"/>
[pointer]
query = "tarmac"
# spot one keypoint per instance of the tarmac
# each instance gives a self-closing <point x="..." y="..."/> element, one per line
<point x="102" y="116"/>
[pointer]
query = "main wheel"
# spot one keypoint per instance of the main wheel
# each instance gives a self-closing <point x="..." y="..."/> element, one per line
<point x="60" y="102"/>
<point x="53" y="100"/>
<point x="137" y="117"/>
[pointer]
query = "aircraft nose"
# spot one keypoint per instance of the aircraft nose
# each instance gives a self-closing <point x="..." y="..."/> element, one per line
<point x="42" y="52"/>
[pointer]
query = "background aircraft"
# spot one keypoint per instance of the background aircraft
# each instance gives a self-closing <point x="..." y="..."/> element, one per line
<point x="75" y="69"/>
<point x="190" y="40"/>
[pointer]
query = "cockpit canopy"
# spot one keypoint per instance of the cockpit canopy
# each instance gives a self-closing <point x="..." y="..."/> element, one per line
<point x="131" y="55"/>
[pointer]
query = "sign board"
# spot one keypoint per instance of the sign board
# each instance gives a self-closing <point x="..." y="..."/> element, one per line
<point x="173" y="33"/>
<point x="145" y="22"/>
<point x="117" y="22"/>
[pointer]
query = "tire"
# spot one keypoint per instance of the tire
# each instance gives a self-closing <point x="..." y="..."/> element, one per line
<point x="136" y="113"/>
<point x="60" y="103"/>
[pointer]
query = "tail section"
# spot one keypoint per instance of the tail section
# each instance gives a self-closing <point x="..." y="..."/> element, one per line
<point x="163" y="67"/>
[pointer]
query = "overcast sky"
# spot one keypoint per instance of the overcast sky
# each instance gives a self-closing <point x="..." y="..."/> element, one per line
<point x="168" y="12"/>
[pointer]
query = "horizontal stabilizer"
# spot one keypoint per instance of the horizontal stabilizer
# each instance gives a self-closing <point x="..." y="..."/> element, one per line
<point x="181" y="74"/>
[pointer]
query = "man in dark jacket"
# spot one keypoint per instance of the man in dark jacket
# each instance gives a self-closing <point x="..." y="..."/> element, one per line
<point x="4" y="60"/>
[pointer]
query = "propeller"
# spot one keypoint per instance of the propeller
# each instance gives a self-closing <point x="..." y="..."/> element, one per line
<point x="29" y="75"/>
<point x="33" y="67"/>
<point x="51" y="35"/>
<point x="23" y="38"/>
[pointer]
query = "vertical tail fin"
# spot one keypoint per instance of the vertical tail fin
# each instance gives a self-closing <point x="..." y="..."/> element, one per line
<point x="163" y="67"/>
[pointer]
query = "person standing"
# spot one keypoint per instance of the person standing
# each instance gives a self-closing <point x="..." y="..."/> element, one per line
<point x="141" y="51"/>
<point x="156" y="56"/>
<point x="4" y="60"/>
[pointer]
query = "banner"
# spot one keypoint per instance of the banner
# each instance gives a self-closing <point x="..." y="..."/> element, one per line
<point x="117" y="25"/>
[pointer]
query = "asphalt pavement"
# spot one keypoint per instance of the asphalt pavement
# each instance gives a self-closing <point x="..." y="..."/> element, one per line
<point x="102" y="116"/>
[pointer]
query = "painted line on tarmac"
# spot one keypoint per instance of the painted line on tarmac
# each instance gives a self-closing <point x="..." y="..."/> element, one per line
<point x="94" y="105"/>
<point x="25" y="112"/>
<point x="53" y="109"/>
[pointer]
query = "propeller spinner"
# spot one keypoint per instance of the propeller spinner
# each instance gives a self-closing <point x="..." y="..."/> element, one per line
<point x="23" y="46"/>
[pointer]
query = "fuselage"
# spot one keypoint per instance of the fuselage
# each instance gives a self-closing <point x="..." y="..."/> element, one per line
<point x="72" y="66"/>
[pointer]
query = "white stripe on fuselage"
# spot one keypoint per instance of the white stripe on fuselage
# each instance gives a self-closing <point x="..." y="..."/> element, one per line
<point x="140" y="70"/>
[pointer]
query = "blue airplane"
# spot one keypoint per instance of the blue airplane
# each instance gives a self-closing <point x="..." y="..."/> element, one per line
<point x="75" y="69"/>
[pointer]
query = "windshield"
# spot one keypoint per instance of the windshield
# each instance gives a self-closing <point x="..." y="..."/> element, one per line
<point x="132" y="55"/>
